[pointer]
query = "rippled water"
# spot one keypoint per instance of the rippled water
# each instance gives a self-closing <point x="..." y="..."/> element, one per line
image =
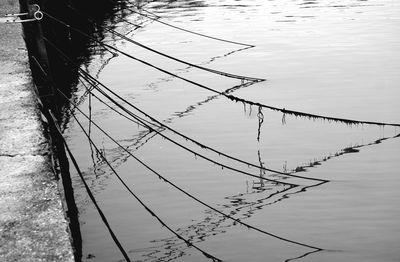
<point x="334" y="58"/>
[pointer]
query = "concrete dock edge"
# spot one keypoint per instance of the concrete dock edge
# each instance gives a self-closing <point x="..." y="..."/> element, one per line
<point x="33" y="226"/>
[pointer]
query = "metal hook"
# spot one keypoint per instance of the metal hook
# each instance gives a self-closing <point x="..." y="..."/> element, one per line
<point x="37" y="7"/>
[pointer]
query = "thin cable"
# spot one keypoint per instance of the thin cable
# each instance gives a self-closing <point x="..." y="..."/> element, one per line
<point x="254" y="79"/>
<point x="113" y="109"/>
<point x="138" y="199"/>
<point x="182" y="190"/>
<point x="130" y="56"/>
<point x="127" y="111"/>
<point x="308" y="115"/>
<point x="114" y="32"/>
<point x="163" y="126"/>
<point x="153" y="119"/>
<point x="150" y="13"/>
<point x="186" y="148"/>
<point x="189" y="31"/>
<point x="231" y="97"/>
<point x="125" y="185"/>
<point x="91" y="196"/>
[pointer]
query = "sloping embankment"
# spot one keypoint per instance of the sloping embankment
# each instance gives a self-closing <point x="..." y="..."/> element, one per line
<point x="32" y="222"/>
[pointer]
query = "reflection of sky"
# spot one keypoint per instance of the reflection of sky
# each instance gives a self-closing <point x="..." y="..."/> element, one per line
<point x="329" y="58"/>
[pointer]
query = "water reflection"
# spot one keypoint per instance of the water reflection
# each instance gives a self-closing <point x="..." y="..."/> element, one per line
<point x="212" y="225"/>
<point x="245" y="205"/>
<point x="336" y="4"/>
<point x="186" y="5"/>
<point x="79" y="49"/>
<point x="347" y="150"/>
<point x="195" y="106"/>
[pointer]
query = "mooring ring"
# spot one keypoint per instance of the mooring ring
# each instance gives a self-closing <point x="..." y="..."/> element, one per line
<point x="38" y="15"/>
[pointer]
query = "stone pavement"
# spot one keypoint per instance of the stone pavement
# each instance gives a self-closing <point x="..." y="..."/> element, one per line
<point x="32" y="222"/>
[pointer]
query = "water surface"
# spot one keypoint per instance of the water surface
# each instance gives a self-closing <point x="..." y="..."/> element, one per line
<point x="333" y="58"/>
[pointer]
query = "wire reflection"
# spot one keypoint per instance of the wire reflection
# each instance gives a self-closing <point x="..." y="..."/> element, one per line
<point x="212" y="224"/>
<point x="169" y="249"/>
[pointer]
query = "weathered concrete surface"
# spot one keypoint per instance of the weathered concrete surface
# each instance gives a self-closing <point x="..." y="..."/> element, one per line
<point x="32" y="222"/>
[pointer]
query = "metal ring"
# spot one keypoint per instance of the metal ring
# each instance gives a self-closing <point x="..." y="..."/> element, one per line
<point x="37" y="7"/>
<point x="38" y="15"/>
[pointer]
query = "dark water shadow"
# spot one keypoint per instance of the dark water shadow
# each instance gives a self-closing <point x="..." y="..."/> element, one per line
<point x="59" y="75"/>
<point x="79" y="49"/>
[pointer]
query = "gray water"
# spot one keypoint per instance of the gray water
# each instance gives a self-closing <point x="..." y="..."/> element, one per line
<point x="333" y="58"/>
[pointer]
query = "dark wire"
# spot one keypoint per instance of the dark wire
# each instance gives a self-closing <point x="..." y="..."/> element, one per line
<point x="182" y="190"/>
<point x="254" y="79"/>
<point x="114" y="32"/>
<point x="231" y="97"/>
<point x="236" y="220"/>
<point x="91" y="196"/>
<point x="115" y="110"/>
<point x="199" y="144"/>
<point x="137" y="198"/>
<point x="188" y="31"/>
<point x="176" y="143"/>
<point x="119" y="178"/>
<point x="163" y="126"/>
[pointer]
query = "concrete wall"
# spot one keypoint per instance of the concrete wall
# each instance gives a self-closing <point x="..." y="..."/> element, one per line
<point x="32" y="222"/>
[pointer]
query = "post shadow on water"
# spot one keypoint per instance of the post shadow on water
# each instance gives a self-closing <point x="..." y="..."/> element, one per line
<point x="79" y="49"/>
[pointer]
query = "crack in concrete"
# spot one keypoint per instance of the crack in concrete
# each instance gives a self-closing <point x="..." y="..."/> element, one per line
<point x="7" y="155"/>
<point x="23" y="155"/>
